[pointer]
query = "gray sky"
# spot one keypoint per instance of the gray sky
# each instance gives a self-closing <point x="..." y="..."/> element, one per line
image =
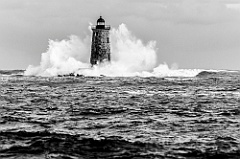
<point x="191" y="33"/>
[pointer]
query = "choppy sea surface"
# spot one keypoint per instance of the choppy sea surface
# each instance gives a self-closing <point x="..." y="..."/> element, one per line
<point x="120" y="117"/>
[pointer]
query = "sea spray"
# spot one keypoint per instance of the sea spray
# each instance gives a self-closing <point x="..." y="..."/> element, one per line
<point x="130" y="52"/>
<point x="62" y="57"/>
<point x="130" y="57"/>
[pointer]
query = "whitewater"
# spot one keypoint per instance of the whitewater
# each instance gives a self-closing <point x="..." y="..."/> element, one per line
<point x="129" y="57"/>
<point x="121" y="116"/>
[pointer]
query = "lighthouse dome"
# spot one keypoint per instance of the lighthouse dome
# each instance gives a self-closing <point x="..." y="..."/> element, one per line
<point x="100" y="20"/>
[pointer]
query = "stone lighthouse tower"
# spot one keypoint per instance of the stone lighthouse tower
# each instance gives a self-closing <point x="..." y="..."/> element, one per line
<point x="100" y="49"/>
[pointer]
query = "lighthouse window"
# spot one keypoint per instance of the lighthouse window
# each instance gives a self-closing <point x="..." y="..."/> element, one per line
<point x="100" y="23"/>
<point x="107" y="40"/>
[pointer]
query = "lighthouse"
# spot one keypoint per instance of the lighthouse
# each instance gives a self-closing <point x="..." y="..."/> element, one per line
<point x="100" y="49"/>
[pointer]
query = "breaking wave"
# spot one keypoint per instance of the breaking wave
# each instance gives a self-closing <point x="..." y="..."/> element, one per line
<point x="130" y="57"/>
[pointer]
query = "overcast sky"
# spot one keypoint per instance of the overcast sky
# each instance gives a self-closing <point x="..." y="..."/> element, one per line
<point x="191" y="33"/>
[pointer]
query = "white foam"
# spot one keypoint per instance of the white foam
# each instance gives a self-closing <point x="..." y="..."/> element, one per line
<point x="130" y="57"/>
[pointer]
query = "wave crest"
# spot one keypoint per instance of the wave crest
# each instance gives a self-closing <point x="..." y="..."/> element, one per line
<point x="130" y="57"/>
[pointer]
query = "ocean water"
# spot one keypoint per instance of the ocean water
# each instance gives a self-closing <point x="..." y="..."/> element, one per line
<point x="120" y="117"/>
